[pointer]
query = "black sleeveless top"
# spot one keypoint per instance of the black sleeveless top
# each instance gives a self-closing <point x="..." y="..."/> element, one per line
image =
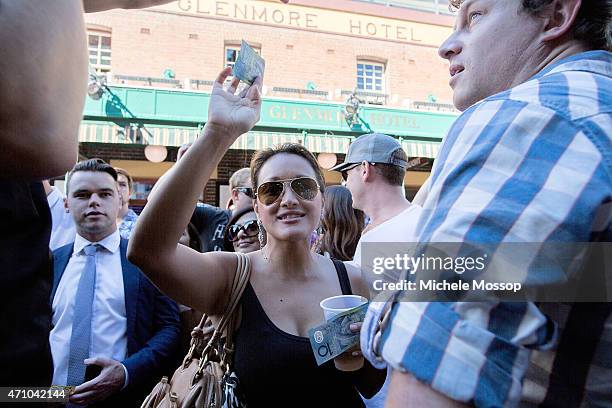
<point x="278" y="369"/>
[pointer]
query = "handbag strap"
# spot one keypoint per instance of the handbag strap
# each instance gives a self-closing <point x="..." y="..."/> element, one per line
<point x="243" y="273"/>
<point x="241" y="278"/>
<point x="197" y="335"/>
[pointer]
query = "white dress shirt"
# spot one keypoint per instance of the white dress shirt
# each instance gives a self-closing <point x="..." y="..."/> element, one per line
<point x="63" y="230"/>
<point x="109" y="319"/>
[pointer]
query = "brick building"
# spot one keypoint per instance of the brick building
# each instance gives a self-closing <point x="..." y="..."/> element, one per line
<point x="158" y="65"/>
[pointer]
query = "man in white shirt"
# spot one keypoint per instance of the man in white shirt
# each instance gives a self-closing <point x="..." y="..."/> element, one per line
<point x="113" y="332"/>
<point x="374" y="170"/>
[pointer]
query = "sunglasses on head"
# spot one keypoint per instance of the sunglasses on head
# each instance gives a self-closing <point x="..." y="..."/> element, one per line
<point x="305" y="188"/>
<point x="248" y="191"/>
<point x="250" y="229"/>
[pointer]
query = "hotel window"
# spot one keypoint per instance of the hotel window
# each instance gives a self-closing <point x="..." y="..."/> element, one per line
<point x="231" y="54"/>
<point x="370" y="76"/>
<point x="99" y="45"/>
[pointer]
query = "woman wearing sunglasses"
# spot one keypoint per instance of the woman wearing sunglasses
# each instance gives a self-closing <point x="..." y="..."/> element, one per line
<point x="273" y="357"/>
<point x="242" y="232"/>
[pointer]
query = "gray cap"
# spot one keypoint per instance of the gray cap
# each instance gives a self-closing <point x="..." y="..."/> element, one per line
<point x="373" y="148"/>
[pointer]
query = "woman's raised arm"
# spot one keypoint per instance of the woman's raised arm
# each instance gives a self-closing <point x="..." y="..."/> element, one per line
<point x="194" y="279"/>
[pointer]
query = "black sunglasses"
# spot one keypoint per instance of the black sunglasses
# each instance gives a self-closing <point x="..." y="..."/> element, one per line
<point x="250" y="229"/>
<point x="248" y="191"/>
<point x="304" y="187"/>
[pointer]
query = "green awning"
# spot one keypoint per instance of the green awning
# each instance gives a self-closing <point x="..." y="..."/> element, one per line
<point x="108" y="132"/>
<point x="420" y="149"/>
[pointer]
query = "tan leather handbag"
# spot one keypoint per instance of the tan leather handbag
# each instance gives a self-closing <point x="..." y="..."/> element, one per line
<point x="205" y="378"/>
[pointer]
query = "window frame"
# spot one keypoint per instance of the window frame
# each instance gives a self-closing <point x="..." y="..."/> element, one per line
<point x="98" y="50"/>
<point x="371" y="79"/>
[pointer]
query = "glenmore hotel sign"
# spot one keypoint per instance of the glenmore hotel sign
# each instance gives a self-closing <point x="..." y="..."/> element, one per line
<point x="330" y="116"/>
<point x="313" y="19"/>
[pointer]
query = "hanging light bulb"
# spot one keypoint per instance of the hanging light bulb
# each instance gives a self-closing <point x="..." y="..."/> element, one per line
<point x="327" y="160"/>
<point x="155" y="153"/>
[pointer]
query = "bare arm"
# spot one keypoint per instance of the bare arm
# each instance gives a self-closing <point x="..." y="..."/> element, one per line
<point x="43" y="79"/>
<point x="198" y="280"/>
<point x="405" y="391"/>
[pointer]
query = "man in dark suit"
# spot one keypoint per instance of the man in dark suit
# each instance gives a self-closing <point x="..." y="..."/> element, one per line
<point x="114" y="333"/>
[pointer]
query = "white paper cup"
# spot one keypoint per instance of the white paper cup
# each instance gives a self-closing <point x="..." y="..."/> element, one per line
<point x="338" y="304"/>
<point x="333" y="306"/>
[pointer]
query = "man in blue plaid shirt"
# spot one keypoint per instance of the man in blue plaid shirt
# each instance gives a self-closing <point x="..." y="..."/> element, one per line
<point x="530" y="161"/>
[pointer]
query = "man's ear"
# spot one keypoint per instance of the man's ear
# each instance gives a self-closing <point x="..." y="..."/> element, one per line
<point x="234" y="195"/>
<point x="256" y="207"/>
<point x="66" y="204"/>
<point x="560" y="17"/>
<point x="368" y="171"/>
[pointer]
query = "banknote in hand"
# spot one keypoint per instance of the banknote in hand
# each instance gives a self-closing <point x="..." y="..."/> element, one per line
<point x="248" y="65"/>
<point x="333" y="338"/>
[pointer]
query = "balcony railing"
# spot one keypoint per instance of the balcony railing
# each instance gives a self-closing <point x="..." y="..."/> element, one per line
<point x="300" y="91"/>
<point x="434" y="106"/>
<point x="368" y="97"/>
<point x="148" y="80"/>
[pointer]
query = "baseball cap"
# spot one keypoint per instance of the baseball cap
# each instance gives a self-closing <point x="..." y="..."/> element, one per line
<point x="373" y="148"/>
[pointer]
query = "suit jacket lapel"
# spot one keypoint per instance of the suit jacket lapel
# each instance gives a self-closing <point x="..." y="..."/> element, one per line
<point x="60" y="260"/>
<point x="131" y="286"/>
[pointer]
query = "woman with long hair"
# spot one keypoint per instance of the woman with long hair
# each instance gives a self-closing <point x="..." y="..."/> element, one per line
<point x="273" y="357"/>
<point x="341" y="223"/>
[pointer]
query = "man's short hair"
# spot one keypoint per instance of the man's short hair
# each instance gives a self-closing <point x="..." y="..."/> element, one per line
<point x="91" y="165"/>
<point x="124" y="172"/>
<point x="593" y="24"/>
<point x="240" y="178"/>
<point x="393" y="174"/>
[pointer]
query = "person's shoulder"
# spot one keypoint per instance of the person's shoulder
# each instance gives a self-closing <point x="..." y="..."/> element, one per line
<point x="573" y="91"/>
<point x="352" y="270"/>
<point x="205" y="212"/>
<point x="210" y="209"/>
<point x="534" y="107"/>
<point x="411" y="211"/>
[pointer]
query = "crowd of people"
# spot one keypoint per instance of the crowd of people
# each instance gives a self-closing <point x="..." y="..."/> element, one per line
<point x="97" y="297"/>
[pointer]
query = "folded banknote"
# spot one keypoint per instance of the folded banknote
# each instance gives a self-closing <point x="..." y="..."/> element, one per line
<point x="248" y="65"/>
<point x="333" y="338"/>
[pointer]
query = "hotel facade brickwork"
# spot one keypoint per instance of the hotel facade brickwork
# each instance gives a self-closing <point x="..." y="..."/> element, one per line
<point x="312" y="49"/>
